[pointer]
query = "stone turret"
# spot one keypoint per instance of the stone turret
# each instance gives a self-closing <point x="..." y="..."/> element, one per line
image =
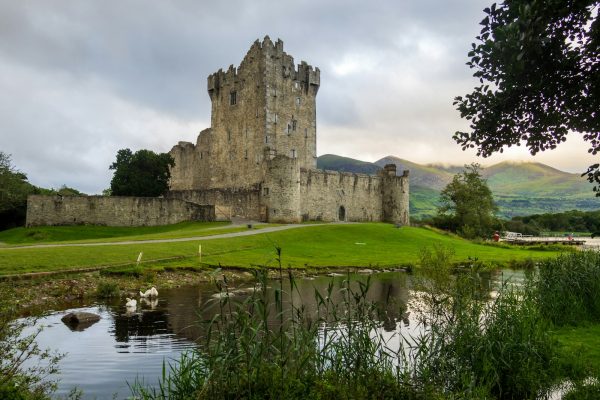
<point x="281" y="190"/>
<point x="394" y="196"/>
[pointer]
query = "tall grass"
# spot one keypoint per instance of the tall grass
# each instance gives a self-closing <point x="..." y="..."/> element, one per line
<point x="473" y="346"/>
<point x="468" y="344"/>
<point x="568" y="288"/>
<point x="269" y="347"/>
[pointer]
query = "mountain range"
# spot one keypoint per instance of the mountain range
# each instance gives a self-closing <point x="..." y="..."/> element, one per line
<point x="519" y="188"/>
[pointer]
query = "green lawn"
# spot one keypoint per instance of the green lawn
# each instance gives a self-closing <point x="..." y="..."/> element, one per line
<point x="372" y="244"/>
<point x="94" y="234"/>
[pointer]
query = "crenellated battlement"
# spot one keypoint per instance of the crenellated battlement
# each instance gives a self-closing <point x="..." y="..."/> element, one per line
<point x="261" y="53"/>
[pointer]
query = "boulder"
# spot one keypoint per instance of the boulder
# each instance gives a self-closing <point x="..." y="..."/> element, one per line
<point x="79" y="321"/>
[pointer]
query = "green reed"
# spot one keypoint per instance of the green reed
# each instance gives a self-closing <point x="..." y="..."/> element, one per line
<point x="469" y="344"/>
<point x="568" y="288"/>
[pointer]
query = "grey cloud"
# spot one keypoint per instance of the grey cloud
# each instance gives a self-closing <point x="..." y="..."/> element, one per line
<point x="93" y="77"/>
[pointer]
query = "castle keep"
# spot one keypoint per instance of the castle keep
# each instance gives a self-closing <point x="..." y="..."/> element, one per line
<point x="258" y="158"/>
<point x="257" y="161"/>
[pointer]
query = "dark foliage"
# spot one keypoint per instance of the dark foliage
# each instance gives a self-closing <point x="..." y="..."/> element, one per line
<point x="14" y="189"/>
<point x="570" y="221"/>
<point x="538" y="64"/>
<point x="143" y="173"/>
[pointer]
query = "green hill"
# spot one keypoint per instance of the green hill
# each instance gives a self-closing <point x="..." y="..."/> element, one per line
<point x="520" y="188"/>
<point x="345" y="164"/>
<point x="428" y="176"/>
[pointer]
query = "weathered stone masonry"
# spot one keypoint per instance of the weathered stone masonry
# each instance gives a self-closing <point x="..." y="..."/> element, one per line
<point x="258" y="158"/>
<point x="113" y="211"/>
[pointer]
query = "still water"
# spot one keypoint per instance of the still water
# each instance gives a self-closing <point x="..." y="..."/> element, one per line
<point x="102" y="359"/>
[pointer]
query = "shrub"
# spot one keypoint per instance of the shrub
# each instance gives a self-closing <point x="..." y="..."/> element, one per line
<point x="107" y="290"/>
<point x="16" y="380"/>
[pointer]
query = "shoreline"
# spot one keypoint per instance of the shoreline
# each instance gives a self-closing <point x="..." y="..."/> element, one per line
<point x="36" y="294"/>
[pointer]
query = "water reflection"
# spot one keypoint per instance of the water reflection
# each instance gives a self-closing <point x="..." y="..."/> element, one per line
<point x="125" y="345"/>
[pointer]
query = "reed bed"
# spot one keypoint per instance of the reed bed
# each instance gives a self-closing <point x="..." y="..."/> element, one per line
<point x="468" y="345"/>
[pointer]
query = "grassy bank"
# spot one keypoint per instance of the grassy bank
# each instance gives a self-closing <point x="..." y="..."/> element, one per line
<point x="373" y="244"/>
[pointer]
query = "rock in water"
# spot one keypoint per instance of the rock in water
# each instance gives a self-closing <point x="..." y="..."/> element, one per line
<point x="79" y="321"/>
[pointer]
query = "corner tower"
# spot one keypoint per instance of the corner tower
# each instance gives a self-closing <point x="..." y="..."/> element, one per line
<point x="266" y="107"/>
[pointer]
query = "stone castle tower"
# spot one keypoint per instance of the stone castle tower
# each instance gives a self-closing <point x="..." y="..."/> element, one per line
<point x="258" y="158"/>
<point x="263" y="108"/>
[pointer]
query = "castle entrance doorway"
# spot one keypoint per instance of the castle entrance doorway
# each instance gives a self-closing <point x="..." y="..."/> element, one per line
<point x="342" y="213"/>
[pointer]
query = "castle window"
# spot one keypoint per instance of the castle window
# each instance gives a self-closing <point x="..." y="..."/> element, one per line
<point x="267" y="139"/>
<point x="289" y="129"/>
<point x="229" y="135"/>
<point x="276" y="118"/>
<point x="245" y="154"/>
<point x="293" y="153"/>
<point x="297" y="101"/>
<point x="305" y="132"/>
<point x="232" y="98"/>
<point x="201" y="155"/>
<point x="295" y="85"/>
<point x="246" y="133"/>
<point x="294" y="124"/>
<point x="266" y="191"/>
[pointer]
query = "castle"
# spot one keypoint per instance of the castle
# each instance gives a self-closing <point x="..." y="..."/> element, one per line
<point x="258" y="159"/>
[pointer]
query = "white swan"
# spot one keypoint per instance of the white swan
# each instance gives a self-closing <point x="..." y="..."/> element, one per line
<point x="131" y="303"/>
<point x="152" y="292"/>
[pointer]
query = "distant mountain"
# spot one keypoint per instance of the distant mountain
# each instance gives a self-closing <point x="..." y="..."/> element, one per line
<point x="420" y="175"/>
<point x="520" y="188"/>
<point x="345" y="164"/>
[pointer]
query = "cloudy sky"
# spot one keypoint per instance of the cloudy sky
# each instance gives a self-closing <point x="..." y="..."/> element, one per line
<point x="81" y="79"/>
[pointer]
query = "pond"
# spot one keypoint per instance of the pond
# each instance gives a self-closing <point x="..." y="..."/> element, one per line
<point x="102" y="359"/>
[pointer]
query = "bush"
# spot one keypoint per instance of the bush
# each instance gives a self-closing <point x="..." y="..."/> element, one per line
<point x="106" y="290"/>
<point x="17" y="381"/>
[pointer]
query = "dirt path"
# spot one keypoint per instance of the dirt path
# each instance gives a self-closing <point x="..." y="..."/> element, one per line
<point x="249" y="232"/>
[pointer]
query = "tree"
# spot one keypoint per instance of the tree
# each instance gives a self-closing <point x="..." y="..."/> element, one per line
<point x="14" y="190"/>
<point x="538" y="66"/>
<point x="68" y="191"/>
<point x="467" y="205"/>
<point x="143" y="173"/>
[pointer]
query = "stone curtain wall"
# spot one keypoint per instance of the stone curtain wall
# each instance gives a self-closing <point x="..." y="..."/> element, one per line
<point x="322" y="193"/>
<point x="228" y="203"/>
<point x="113" y="211"/>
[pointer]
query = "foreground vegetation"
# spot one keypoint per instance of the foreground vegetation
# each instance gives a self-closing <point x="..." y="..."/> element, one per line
<point x="467" y="346"/>
<point x="18" y="381"/>
<point x="360" y="245"/>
